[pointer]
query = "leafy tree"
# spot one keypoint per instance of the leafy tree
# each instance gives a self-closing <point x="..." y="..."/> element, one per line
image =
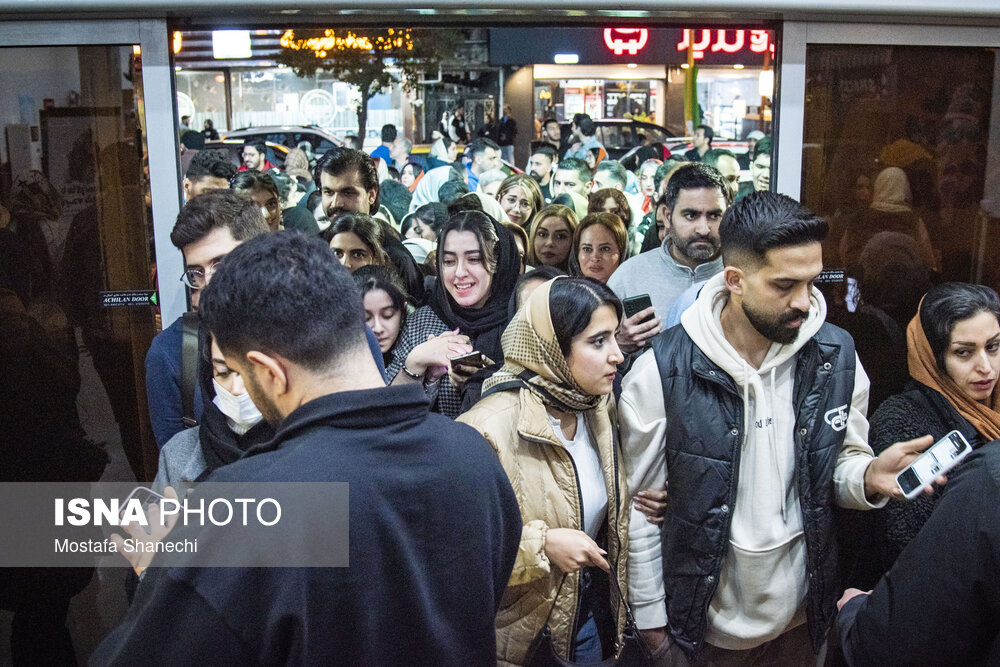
<point x="371" y="59"/>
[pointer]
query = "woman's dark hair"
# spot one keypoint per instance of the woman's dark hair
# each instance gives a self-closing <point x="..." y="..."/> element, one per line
<point x="365" y="228"/>
<point x="595" y="204"/>
<point x="479" y="224"/>
<point x="374" y="277"/>
<point x="251" y="180"/>
<point x="946" y="305"/>
<point x="433" y="215"/>
<point x="407" y="270"/>
<point x="572" y="302"/>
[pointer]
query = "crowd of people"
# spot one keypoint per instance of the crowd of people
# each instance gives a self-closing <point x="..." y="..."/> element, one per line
<point x="584" y="412"/>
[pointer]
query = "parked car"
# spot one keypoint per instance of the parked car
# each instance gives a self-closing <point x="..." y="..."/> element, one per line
<point x="276" y="153"/>
<point x="289" y="136"/>
<point x="620" y="136"/>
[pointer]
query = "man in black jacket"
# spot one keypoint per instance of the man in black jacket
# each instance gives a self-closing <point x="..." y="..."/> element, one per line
<point x="940" y="603"/>
<point x="434" y="523"/>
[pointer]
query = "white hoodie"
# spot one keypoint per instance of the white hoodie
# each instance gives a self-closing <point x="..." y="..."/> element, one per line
<point x="762" y="585"/>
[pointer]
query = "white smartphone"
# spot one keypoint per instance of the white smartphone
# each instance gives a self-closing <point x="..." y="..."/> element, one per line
<point x="939" y="458"/>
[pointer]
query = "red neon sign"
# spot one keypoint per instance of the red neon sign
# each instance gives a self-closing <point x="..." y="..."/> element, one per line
<point x="621" y="40"/>
<point x="701" y="41"/>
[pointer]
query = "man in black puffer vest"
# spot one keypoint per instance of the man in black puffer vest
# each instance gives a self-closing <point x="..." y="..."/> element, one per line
<point x="756" y="407"/>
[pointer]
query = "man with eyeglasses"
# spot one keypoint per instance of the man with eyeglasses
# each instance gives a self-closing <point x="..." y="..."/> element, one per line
<point x="255" y="155"/>
<point x="207" y="229"/>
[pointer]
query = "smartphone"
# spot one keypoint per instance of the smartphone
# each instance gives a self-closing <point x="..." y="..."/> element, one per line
<point x="635" y="304"/>
<point x="146" y="497"/>
<point x="941" y="457"/>
<point x="474" y="359"/>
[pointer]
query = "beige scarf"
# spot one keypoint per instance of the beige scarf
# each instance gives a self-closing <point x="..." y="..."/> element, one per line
<point x="533" y="360"/>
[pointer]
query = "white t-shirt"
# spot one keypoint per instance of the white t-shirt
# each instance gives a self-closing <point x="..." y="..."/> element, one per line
<point x="593" y="490"/>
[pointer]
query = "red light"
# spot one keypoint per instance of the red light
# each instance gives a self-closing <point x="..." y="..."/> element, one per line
<point x="621" y="40"/>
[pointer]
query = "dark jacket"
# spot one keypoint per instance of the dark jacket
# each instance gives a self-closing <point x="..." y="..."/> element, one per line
<point x="434" y="529"/>
<point x="940" y="604"/>
<point x="917" y="412"/>
<point x="703" y="457"/>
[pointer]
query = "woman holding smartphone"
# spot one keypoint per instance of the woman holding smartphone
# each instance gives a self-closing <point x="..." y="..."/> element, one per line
<point x="478" y="265"/>
<point x="550" y="416"/>
<point x="953" y="354"/>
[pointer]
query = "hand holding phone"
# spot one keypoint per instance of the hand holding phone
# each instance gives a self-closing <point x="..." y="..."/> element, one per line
<point x="474" y="359"/>
<point x="939" y="458"/>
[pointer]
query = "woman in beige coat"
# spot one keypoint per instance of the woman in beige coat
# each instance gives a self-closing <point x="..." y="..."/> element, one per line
<point x="550" y="416"/>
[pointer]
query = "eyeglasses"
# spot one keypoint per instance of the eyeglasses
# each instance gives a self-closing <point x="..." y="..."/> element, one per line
<point x="197" y="277"/>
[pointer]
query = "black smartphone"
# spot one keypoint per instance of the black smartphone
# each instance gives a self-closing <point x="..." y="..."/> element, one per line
<point x="474" y="359"/>
<point x="635" y="304"/>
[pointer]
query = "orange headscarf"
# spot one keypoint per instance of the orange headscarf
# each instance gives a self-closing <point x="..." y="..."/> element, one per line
<point x="984" y="417"/>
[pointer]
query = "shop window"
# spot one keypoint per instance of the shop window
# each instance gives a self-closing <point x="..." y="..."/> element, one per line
<point x="896" y="157"/>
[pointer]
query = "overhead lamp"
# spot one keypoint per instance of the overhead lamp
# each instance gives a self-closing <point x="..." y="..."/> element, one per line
<point x="685" y="66"/>
<point x="738" y="66"/>
<point x="632" y="66"/>
<point x="566" y="59"/>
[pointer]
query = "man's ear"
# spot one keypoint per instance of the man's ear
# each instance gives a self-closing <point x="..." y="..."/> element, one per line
<point x="666" y="216"/>
<point x="735" y="279"/>
<point x="270" y="372"/>
<point x="372" y="196"/>
<point x="186" y="184"/>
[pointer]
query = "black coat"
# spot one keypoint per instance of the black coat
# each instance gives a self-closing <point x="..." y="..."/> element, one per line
<point x="703" y="457"/>
<point x="940" y="603"/>
<point x="434" y="528"/>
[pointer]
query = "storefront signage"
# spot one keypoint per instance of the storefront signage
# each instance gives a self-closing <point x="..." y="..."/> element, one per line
<point x="727" y="41"/>
<point x="622" y="40"/>
<point x="629" y="45"/>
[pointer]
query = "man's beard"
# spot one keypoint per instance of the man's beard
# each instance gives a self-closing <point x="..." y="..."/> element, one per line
<point x="775" y="330"/>
<point x="263" y="402"/>
<point x="703" y="253"/>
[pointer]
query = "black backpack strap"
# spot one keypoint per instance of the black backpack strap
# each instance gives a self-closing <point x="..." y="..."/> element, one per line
<point x="189" y="367"/>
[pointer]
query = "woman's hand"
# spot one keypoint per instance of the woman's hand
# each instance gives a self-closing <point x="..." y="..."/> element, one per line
<point x="572" y="550"/>
<point x="652" y="503"/>
<point x="460" y="373"/>
<point x="633" y="332"/>
<point x="432" y="357"/>
<point x="139" y="559"/>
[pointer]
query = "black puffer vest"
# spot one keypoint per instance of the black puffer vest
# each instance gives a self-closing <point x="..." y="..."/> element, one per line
<point x="704" y="410"/>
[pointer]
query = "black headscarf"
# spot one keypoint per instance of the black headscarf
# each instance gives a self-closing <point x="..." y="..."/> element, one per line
<point x="485" y="325"/>
<point x="219" y="444"/>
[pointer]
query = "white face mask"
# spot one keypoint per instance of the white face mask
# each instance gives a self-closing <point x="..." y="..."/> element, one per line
<point x="238" y="408"/>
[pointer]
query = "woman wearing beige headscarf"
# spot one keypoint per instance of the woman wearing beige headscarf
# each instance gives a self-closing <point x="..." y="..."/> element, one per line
<point x="550" y="416"/>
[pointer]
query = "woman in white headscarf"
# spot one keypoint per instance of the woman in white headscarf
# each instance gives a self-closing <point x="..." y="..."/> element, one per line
<point x="891" y="210"/>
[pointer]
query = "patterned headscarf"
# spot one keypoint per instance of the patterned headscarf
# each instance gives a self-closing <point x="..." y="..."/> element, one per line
<point x="534" y="361"/>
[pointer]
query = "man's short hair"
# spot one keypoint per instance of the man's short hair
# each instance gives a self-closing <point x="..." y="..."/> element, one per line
<point x="586" y="125"/>
<point x="708" y="131"/>
<point x="217" y="209"/>
<point x="549" y="151"/>
<point x="285" y="293"/>
<point x="339" y="160"/>
<point x="405" y="143"/>
<point x="388" y="133"/>
<point x="210" y="164"/>
<point x="258" y="145"/>
<point x="763" y="147"/>
<point x="762" y="221"/>
<point x="693" y="176"/>
<point x="577" y="165"/>
<point x="545" y="123"/>
<point x="712" y="157"/>
<point x="664" y="169"/>
<point x="479" y="146"/>
<point x="614" y="169"/>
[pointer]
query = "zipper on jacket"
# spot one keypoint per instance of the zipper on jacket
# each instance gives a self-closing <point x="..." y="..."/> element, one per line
<point x="579" y="499"/>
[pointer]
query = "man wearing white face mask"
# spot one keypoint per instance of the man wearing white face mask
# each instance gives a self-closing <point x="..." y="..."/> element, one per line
<point x="230" y="424"/>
